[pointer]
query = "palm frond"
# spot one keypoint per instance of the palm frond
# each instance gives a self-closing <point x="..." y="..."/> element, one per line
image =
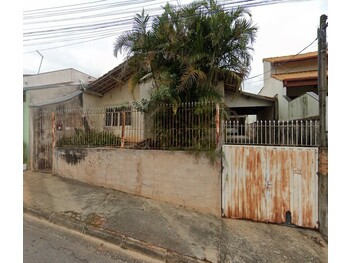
<point x="192" y="77"/>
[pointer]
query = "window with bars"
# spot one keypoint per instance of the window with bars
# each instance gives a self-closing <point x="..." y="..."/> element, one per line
<point x="114" y="117"/>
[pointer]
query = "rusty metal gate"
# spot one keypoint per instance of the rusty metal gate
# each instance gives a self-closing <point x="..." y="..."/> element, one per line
<point x="42" y="150"/>
<point x="271" y="184"/>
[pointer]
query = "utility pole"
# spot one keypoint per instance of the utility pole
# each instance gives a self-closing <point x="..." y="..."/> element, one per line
<point x="323" y="140"/>
<point x="322" y="80"/>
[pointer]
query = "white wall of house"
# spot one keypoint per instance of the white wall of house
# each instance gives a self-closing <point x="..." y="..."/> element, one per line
<point x="40" y="95"/>
<point x="56" y="77"/>
<point x="119" y="96"/>
<point x="44" y="88"/>
<point x="52" y="85"/>
<point x="91" y="101"/>
<point x="273" y="87"/>
<point x="305" y="106"/>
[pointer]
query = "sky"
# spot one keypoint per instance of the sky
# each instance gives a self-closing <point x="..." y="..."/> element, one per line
<point x="283" y="29"/>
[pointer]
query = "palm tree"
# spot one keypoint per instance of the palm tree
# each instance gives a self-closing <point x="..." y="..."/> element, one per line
<point x="188" y="50"/>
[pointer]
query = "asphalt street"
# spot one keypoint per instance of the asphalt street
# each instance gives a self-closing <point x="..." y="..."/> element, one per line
<point x="156" y="229"/>
<point x="45" y="242"/>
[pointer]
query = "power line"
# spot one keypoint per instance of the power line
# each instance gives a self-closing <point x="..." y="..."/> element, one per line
<point x="49" y="8"/>
<point x="89" y="30"/>
<point x="71" y="44"/>
<point x="122" y="6"/>
<point x="284" y="61"/>
<point x="261" y="80"/>
<point x="74" y="32"/>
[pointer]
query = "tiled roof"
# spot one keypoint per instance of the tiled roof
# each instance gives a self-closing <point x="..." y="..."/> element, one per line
<point x="296" y="75"/>
<point x="308" y="55"/>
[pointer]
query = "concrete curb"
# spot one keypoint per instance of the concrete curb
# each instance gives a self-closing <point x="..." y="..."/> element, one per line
<point x="115" y="238"/>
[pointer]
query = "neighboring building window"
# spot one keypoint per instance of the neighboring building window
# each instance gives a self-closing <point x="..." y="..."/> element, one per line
<point x="24" y="96"/>
<point x="114" y="117"/>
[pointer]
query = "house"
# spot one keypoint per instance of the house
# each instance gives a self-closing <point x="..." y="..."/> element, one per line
<point x="293" y="80"/>
<point x="247" y="107"/>
<point x="112" y="93"/>
<point x="44" y="92"/>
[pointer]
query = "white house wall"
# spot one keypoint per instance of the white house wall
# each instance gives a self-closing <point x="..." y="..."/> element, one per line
<point x="78" y="76"/>
<point x="41" y="95"/>
<point x="273" y="87"/>
<point x="302" y="107"/>
<point x="283" y="106"/>
<point x="56" y="77"/>
<point x="92" y="101"/>
<point x="117" y="97"/>
<point x="52" y="85"/>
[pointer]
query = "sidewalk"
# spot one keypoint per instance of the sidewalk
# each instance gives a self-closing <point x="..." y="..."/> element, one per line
<point x="163" y="231"/>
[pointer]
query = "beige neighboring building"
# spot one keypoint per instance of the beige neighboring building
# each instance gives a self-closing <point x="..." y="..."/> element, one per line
<point x="48" y="91"/>
<point x="293" y="80"/>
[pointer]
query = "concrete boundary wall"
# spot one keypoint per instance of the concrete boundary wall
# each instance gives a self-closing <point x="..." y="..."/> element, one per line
<point x="174" y="177"/>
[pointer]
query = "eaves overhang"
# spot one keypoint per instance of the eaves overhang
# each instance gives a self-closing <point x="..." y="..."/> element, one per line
<point x="297" y="79"/>
<point x="292" y="58"/>
<point x="112" y="79"/>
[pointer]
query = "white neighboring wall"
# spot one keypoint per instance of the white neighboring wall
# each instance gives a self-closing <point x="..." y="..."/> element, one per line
<point x="273" y="87"/>
<point x="51" y="85"/>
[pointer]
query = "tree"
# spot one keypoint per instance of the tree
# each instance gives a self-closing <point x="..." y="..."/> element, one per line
<point x="187" y="51"/>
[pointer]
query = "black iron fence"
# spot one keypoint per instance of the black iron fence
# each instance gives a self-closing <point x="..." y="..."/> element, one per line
<point x="198" y="126"/>
<point x="185" y="126"/>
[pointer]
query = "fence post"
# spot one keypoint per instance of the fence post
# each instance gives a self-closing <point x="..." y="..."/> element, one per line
<point x="217" y="124"/>
<point x="53" y="121"/>
<point x="123" y="130"/>
<point x="53" y="134"/>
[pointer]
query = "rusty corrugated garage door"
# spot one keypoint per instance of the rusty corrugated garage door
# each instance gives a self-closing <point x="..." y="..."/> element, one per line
<point x="265" y="183"/>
